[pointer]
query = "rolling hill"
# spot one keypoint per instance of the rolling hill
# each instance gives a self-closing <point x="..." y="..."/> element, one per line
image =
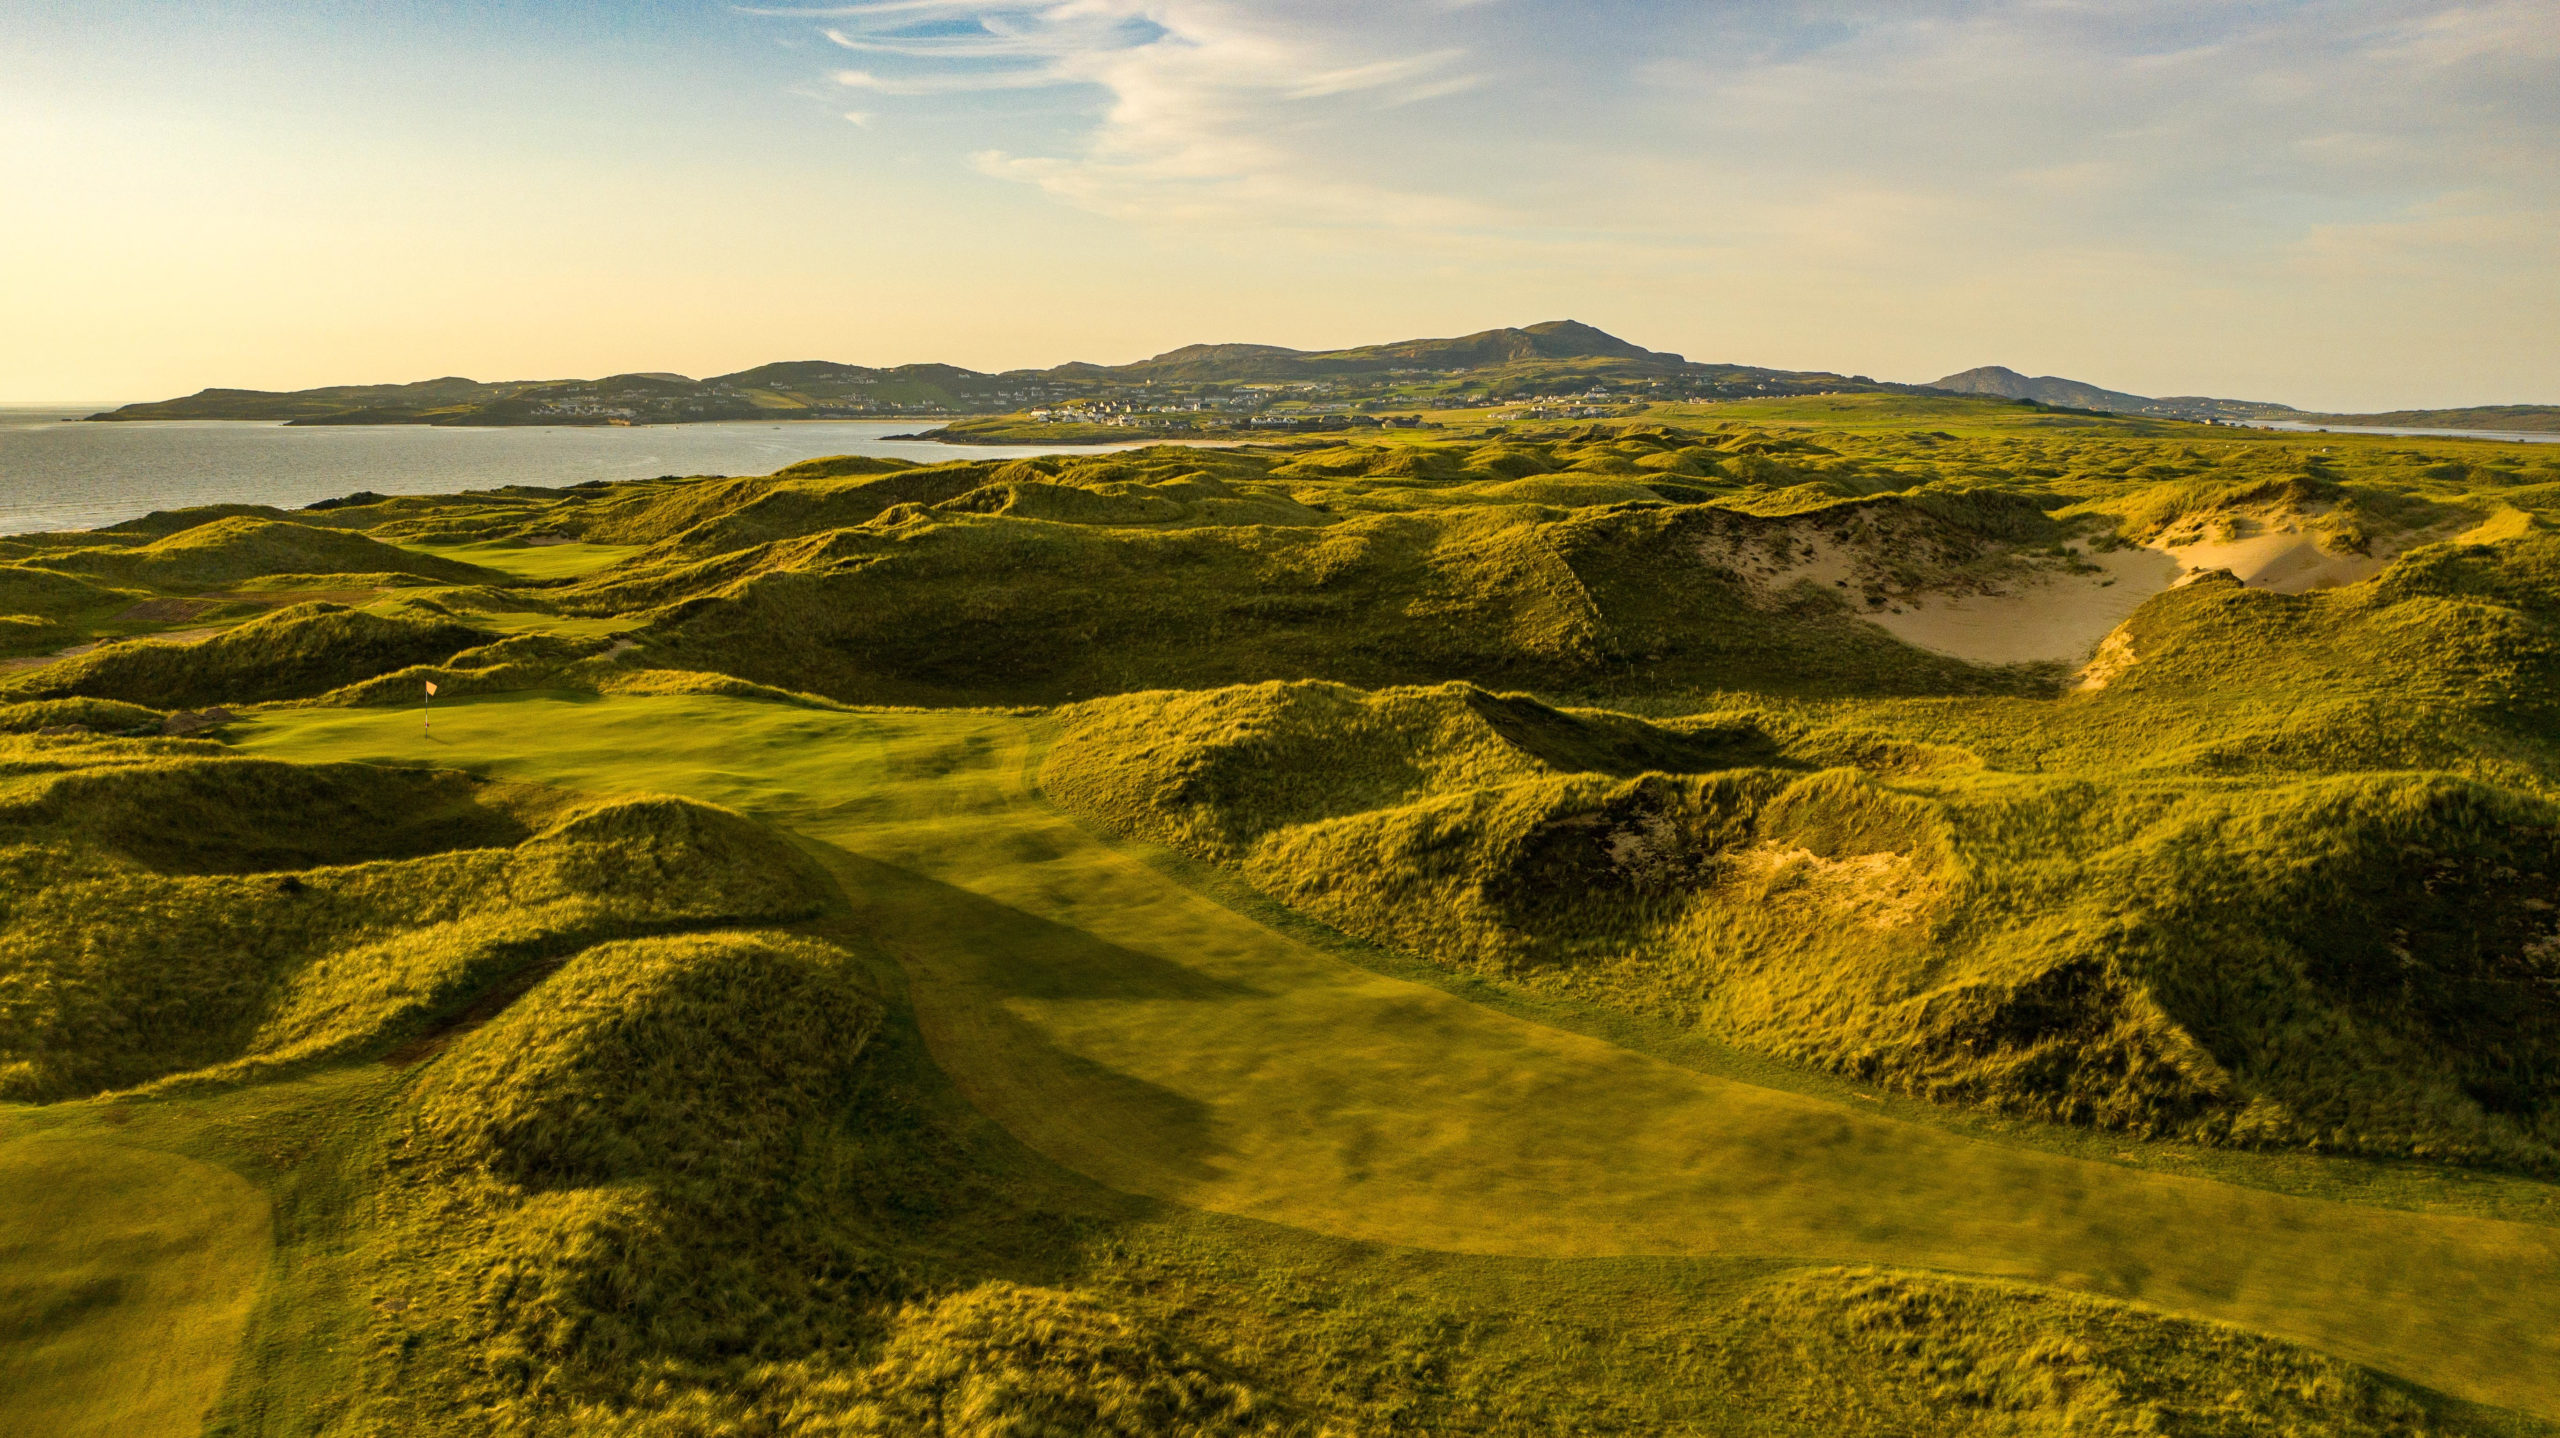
<point x="1491" y="364"/>
<point x="1902" y="916"/>
<point x="2072" y="394"/>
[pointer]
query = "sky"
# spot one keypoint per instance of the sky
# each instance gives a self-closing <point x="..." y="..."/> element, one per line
<point x="2341" y="205"/>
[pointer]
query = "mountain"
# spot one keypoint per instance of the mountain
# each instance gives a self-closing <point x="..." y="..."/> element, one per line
<point x="2006" y="383"/>
<point x="1557" y="357"/>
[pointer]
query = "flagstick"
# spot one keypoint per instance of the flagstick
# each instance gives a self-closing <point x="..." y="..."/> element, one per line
<point x="426" y="712"/>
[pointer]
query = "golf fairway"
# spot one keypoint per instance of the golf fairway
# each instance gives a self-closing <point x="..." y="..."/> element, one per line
<point x="1158" y="1042"/>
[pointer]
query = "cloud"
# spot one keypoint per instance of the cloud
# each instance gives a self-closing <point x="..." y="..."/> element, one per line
<point x="1972" y="135"/>
<point x="1210" y="112"/>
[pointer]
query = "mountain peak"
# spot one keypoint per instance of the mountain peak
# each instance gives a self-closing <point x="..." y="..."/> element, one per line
<point x="2005" y="383"/>
<point x="1223" y="352"/>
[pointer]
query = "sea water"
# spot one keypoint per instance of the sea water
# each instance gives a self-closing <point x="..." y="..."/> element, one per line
<point x="58" y="473"/>
<point x="2503" y="436"/>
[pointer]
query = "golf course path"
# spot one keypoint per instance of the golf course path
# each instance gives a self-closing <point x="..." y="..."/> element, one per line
<point x="1146" y="1036"/>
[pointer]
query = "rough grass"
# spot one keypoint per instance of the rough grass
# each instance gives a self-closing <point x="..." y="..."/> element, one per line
<point x="229" y="550"/>
<point x="44" y="609"/>
<point x="293" y="653"/>
<point x="1906" y="1353"/>
<point x="1164" y="1044"/>
<point x="2282" y="882"/>
<point x="105" y="716"/>
<point x="140" y="946"/>
<point x="2360" y="962"/>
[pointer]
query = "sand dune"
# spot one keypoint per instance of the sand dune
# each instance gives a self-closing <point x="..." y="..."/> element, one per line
<point x="2065" y="617"/>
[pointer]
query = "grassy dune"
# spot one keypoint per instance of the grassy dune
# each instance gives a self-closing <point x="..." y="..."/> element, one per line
<point x="2230" y="960"/>
<point x="1518" y="931"/>
<point x="288" y="922"/>
<point x="1141" y="1033"/>
<point x="295" y="653"/>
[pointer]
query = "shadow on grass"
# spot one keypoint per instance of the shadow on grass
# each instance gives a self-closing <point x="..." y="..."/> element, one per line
<point x="965" y="955"/>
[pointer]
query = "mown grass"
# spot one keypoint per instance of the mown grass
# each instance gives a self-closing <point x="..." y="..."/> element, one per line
<point x="126" y="1279"/>
<point x="567" y="559"/>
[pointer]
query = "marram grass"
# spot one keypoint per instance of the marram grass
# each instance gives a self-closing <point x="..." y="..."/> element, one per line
<point x="660" y="1045"/>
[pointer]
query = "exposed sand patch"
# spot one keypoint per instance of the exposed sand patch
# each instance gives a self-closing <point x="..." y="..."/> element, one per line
<point x="2020" y="607"/>
<point x="1986" y="605"/>
<point x="2278" y="552"/>
<point x="2115" y="655"/>
<point x="1882" y="890"/>
<point x="2059" y="618"/>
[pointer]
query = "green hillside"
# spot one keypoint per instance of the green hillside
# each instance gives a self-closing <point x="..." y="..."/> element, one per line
<point x="1858" y="914"/>
<point x="1226" y="385"/>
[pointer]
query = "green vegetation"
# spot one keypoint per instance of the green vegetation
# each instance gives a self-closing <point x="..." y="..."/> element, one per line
<point x="1506" y="930"/>
<point x="2256" y="963"/>
<point x="1220" y="386"/>
<point x="114" y="1255"/>
<point x="354" y="947"/>
<point x="1134" y="1030"/>
<point x="293" y="653"/>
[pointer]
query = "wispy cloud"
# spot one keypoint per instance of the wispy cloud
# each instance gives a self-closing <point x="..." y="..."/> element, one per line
<point x="1917" y="142"/>
<point x="1211" y="112"/>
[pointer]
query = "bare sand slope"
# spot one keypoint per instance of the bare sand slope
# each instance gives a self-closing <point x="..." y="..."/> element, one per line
<point x="2060" y="617"/>
<point x="2065" y="617"/>
<point x="2278" y="554"/>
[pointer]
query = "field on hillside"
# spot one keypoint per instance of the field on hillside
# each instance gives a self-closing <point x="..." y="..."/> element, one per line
<point x="1839" y="915"/>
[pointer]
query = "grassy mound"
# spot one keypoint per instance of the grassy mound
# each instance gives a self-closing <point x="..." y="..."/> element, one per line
<point x="227" y="551"/>
<point x="1004" y="1359"/>
<point x="2363" y="962"/>
<point x="294" y="653"/>
<point x="645" y="1186"/>
<point x="238" y="973"/>
<point x="1887" y="1353"/>
<point x="1212" y="771"/>
<point x="104" y="716"/>
<point x="161" y="523"/>
<point x="678" y="1059"/>
<point x="247" y="816"/>
<point x="524" y="661"/>
<point x="962" y="607"/>
<point x="46" y="609"/>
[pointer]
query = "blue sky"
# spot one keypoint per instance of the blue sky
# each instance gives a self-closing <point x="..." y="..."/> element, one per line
<point x="2350" y="204"/>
